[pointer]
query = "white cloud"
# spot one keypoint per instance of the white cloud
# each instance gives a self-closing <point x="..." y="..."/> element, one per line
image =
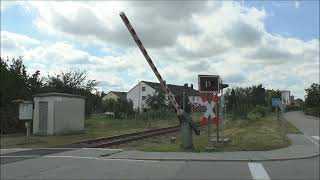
<point x="296" y="4"/>
<point x="212" y="37"/>
<point x="7" y="4"/>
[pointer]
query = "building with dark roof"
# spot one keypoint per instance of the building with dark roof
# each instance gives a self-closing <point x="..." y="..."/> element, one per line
<point x="115" y="95"/>
<point x="139" y="93"/>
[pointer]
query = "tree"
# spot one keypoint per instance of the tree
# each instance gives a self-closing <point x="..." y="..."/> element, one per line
<point x="258" y="94"/>
<point x="157" y="101"/>
<point x="312" y="97"/>
<point x="118" y="106"/>
<point x="242" y="100"/>
<point x="75" y="82"/>
<point x="15" y="84"/>
<point x="71" y="81"/>
<point x="271" y="94"/>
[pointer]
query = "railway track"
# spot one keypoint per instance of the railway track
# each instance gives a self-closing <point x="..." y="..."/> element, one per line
<point x="124" y="138"/>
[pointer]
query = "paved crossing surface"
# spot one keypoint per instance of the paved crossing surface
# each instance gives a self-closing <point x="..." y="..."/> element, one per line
<point x="76" y="167"/>
<point x="96" y="164"/>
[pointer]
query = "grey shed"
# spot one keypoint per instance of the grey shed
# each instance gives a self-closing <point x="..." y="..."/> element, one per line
<point x="58" y="113"/>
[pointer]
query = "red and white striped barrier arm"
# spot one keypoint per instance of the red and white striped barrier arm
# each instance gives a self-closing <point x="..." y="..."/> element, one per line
<point x="153" y="67"/>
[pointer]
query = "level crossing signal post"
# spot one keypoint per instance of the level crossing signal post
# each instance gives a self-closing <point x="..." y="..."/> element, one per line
<point x="209" y="87"/>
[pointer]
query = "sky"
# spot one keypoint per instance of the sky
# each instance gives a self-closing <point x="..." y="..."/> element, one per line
<point x="275" y="43"/>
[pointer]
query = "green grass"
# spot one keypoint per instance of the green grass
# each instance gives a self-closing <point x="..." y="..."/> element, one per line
<point x="259" y="135"/>
<point x="95" y="127"/>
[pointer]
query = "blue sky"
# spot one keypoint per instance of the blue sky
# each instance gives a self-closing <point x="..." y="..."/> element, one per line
<point x="291" y="20"/>
<point x="98" y="38"/>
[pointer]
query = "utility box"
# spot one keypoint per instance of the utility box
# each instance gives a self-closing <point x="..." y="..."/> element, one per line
<point x="58" y="113"/>
<point x="209" y="83"/>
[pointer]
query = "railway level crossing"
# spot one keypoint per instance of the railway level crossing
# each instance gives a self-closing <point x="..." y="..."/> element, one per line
<point x="185" y="119"/>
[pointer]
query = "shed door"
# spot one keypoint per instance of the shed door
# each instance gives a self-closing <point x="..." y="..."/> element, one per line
<point x="43" y="117"/>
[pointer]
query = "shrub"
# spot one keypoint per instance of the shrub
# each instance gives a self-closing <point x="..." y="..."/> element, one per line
<point x="155" y="114"/>
<point x="293" y="108"/>
<point x="253" y="116"/>
<point x="314" y="111"/>
<point x="262" y="110"/>
<point x="258" y="112"/>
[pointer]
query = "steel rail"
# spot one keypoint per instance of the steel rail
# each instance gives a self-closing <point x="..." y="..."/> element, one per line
<point x="123" y="138"/>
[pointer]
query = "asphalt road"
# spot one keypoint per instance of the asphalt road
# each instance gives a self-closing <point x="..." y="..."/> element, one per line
<point x="73" y="166"/>
<point x="78" y="168"/>
<point x="309" y="126"/>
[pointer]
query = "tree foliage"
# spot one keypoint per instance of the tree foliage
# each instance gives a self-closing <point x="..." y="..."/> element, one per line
<point x="16" y="84"/>
<point x="242" y="100"/>
<point x="157" y="101"/>
<point x="312" y="98"/>
<point x="118" y="106"/>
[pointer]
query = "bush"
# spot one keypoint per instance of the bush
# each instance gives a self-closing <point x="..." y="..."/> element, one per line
<point x="293" y="108"/>
<point x="155" y="114"/>
<point x="258" y="112"/>
<point x="253" y="116"/>
<point x="314" y="111"/>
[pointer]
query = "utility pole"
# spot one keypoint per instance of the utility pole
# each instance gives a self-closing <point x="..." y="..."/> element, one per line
<point x="210" y="145"/>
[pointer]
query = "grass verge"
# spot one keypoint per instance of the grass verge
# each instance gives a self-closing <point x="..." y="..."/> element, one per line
<point x="95" y="127"/>
<point x="259" y="135"/>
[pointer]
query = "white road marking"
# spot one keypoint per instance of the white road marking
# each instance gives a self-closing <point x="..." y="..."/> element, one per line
<point x="315" y="137"/>
<point x="312" y="140"/>
<point x="257" y="171"/>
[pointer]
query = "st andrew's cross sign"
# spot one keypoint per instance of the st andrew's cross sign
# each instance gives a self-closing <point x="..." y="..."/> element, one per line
<point x="209" y="114"/>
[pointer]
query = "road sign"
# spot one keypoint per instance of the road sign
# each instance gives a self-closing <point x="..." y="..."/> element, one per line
<point x="209" y="111"/>
<point x="276" y="102"/>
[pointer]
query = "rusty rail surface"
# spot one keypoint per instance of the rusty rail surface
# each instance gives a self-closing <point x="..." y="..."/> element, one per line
<point x="121" y="139"/>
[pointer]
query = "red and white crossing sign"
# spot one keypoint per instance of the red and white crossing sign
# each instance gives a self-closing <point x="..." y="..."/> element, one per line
<point x="209" y="111"/>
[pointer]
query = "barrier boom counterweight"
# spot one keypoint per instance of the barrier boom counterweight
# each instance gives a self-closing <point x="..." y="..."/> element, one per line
<point x="180" y="112"/>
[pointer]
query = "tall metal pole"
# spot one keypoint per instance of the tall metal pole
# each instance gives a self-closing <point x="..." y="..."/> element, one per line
<point x="222" y="116"/>
<point x="210" y="145"/>
<point x="282" y="123"/>
<point x="217" y="133"/>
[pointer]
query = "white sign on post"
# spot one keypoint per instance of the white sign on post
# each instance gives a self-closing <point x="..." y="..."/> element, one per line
<point x="25" y="110"/>
<point x="285" y="97"/>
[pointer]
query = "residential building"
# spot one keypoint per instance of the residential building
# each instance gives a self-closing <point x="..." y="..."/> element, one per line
<point x="115" y="95"/>
<point x="292" y="99"/>
<point x="139" y="93"/>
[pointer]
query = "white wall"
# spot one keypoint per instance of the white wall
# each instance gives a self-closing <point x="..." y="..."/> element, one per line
<point x="110" y="95"/>
<point x="69" y="115"/>
<point x="195" y="99"/>
<point x="65" y="114"/>
<point x="136" y="93"/>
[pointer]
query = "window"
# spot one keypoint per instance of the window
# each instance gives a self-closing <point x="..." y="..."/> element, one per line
<point x="143" y="88"/>
<point x="143" y="97"/>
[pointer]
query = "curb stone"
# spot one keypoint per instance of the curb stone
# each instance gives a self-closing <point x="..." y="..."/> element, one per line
<point x="224" y="160"/>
